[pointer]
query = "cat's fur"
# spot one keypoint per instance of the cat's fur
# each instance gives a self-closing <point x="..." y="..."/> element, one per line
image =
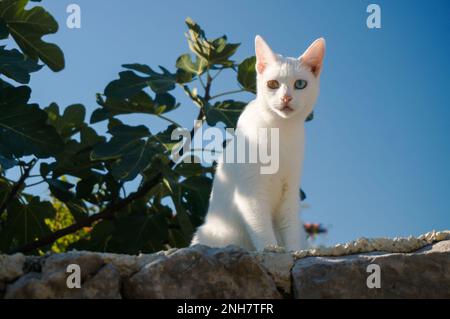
<point x="250" y="209"/>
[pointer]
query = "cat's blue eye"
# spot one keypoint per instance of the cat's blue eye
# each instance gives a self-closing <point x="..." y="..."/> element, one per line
<point x="300" y="84"/>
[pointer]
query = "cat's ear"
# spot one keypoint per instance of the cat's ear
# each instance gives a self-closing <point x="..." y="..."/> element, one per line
<point x="264" y="54"/>
<point x="313" y="56"/>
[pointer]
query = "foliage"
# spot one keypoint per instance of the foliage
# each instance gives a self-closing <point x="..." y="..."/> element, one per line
<point x="63" y="218"/>
<point x="27" y="27"/>
<point x="84" y="171"/>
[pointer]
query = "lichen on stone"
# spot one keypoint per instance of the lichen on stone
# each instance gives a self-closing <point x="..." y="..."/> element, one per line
<point x="388" y="245"/>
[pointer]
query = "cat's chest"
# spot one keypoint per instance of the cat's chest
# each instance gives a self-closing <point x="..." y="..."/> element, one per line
<point x="290" y="162"/>
<point x="291" y="147"/>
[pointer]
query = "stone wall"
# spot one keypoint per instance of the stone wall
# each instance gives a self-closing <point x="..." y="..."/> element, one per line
<point x="409" y="268"/>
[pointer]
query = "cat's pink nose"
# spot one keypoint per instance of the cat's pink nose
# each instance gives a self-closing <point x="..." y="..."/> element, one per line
<point x="286" y="99"/>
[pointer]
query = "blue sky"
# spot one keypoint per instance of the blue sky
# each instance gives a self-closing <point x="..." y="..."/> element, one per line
<point x="378" y="150"/>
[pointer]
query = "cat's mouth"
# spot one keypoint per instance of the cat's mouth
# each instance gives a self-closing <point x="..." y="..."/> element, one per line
<point x="286" y="109"/>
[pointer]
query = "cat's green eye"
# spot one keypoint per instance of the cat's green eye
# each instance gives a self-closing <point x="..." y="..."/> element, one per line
<point x="273" y="84"/>
<point x="300" y="84"/>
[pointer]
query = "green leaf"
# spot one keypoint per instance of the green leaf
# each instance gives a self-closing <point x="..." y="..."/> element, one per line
<point x="164" y="138"/>
<point x="128" y="85"/>
<point x="247" y="74"/>
<point x="183" y="77"/>
<point x="190" y="198"/>
<point x="100" y="114"/>
<point x="196" y="191"/>
<point x="131" y="148"/>
<point x="5" y="189"/>
<point x="222" y="51"/>
<point x="70" y="122"/>
<point x="177" y="239"/>
<point x="185" y="63"/>
<point x="73" y="115"/>
<point x="85" y="186"/>
<point x="4" y="32"/>
<point x="27" y="222"/>
<point x="112" y="122"/>
<point x="197" y="39"/>
<point x="194" y="28"/>
<point x="124" y="139"/>
<point x="163" y="103"/>
<point x="7" y="163"/>
<point x="310" y="117"/>
<point x="27" y="27"/>
<point x="23" y="128"/>
<point x="74" y="159"/>
<point x="61" y="189"/>
<point x="77" y="208"/>
<point x="192" y="169"/>
<point x="162" y="82"/>
<point x="215" y="52"/>
<point x="227" y="112"/>
<point x="135" y="232"/>
<point x="10" y="95"/>
<point x="89" y="137"/>
<point x="142" y="68"/>
<point x="182" y="215"/>
<point x="139" y="103"/>
<point x="302" y="195"/>
<point x="16" y="66"/>
<point x="134" y="162"/>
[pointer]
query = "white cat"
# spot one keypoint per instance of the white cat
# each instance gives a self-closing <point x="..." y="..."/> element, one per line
<point x="254" y="210"/>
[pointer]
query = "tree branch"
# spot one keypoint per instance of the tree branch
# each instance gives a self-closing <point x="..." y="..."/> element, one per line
<point x="227" y="93"/>
<point x="207" y="96"/>
<point x="18" y="186"/>
<point x="108" y="212"/>
<point x="168" y="120"/>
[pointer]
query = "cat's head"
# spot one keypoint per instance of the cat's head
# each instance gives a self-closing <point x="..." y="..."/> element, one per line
<point x="288" y="86"/>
